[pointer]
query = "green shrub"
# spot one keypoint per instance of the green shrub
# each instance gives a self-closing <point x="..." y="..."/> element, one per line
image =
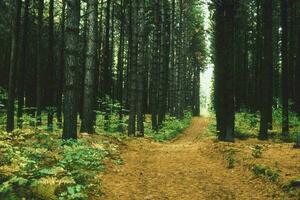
<point x="257" y="151"/>
<point x="230" y="157"/>
<point x="170" y="129"/>
<point x="265" y="171"/>
<point x="44" y="164"/>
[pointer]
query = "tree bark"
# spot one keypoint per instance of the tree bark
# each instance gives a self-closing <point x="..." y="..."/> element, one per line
<point x="267" y="71"/>
<point x="72" y="70"/>
<point x="51" y="68"/>
<point x="90" y="69"/>
<point x="285" y="68"/>
<point x="133" y="69"/>
<point x="15" y="40"/>
<point x="61" y="68"/>
<point x="22" y="66"/>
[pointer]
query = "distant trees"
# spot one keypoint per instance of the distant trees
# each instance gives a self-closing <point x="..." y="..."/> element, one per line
<point x="264" y="61"/>
<point x="80" y="57"/>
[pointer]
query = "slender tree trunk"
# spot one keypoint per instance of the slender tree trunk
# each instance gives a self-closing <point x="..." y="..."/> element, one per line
<point x="267" y="71"/>
<point x="16" y="21"/>
<point x="141" y="69"/>
<point x="71" y="70"/>
<point x="51" y="67"/>
<point x="196" y="91"/>
<point x="133" y="70"/>
<point x="107" y="75"/>
<point x="172" y="72"/>
<point x="90" y="69"/>
<point x="156" y="66"/>
<point x="120" y="67"/>
<point x="258" y="58"/>
<point x="111" y="51"/>
<point x="291" y="46"/>
<point x="39" y="72"/>
<point x="297" y="70"/>
<point x="164" y="69"/>
<point x="22" y="66"/>
<point x="61" y="68"/>
<point x="285" y="68"/>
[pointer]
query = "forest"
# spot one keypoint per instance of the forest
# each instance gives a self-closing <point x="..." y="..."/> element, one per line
<point x="149" y="99"/>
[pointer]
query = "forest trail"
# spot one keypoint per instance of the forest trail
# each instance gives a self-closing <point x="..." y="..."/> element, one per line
<point x="187" y="168"/>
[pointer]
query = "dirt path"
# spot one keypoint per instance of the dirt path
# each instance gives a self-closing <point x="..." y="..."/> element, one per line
<point x="185" y="168"/>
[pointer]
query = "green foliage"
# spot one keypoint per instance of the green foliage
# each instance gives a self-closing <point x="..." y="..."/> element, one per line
<point x="3" y="99"/>
<point x="247" y="125"/>
<point x="293" y="187"/>
<point x="108" y="119"/>
<point x="265" y="171"/>
<point x="257" y="151"/>
<point x="230" y="157"/>
<point x="74" y="192"/>
<point x="41" y="166"/>
<point x="297" y="140"/>
<point x="170" y="129"/>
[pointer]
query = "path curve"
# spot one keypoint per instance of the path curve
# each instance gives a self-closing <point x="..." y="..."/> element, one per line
<point x="187" y="168"/>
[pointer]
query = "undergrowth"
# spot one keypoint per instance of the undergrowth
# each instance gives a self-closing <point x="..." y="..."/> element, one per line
<point x="265" y="171"/>
<point x="247" y="126"/>
<point x="170" y="128"/>
<point x="38" y="165"/>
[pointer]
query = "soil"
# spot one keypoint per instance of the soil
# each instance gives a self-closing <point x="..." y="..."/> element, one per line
<point x="191" y="167"/>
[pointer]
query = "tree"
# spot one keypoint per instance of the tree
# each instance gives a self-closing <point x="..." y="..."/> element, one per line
<point x="133" y="67"/>
<point x="165" y="59"/>
<point x="266" y="71"/>
<point x="285" y="68"/>
<point x="51" y="67"/>
<point x="90" y="69"/>
<point x="61" y="68"/>
<point x="141" y="65"/>
<point x="16" y="20"/>
<point x="22" y="65"/>
<point x="71" y="70"/>
<point x="224" y="71"/>
<point x="156" y="65"/>
<point x="39" y="78"/>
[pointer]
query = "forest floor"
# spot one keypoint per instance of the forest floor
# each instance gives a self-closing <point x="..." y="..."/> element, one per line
<point x="195" y="166"/>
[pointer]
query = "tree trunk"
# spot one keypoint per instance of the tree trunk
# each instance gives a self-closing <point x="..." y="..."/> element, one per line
<point x="297" y="70"/>
<point x="133" y="70"/>
<point x="120" y="66"/>
<point x="267" y="71"/>
<point x="224" y="74"/>
<point x="15" y="40"/>
<point x="90" y="69"/>
<point x="51" y="68"/>
<point x="61" y="68"/>
<point x="72" y="70"/>
<point x="285" y="69"/>
<point x="141" y="69"/>
<point x="22" y="65"/>
<point x="164" y="68"/>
